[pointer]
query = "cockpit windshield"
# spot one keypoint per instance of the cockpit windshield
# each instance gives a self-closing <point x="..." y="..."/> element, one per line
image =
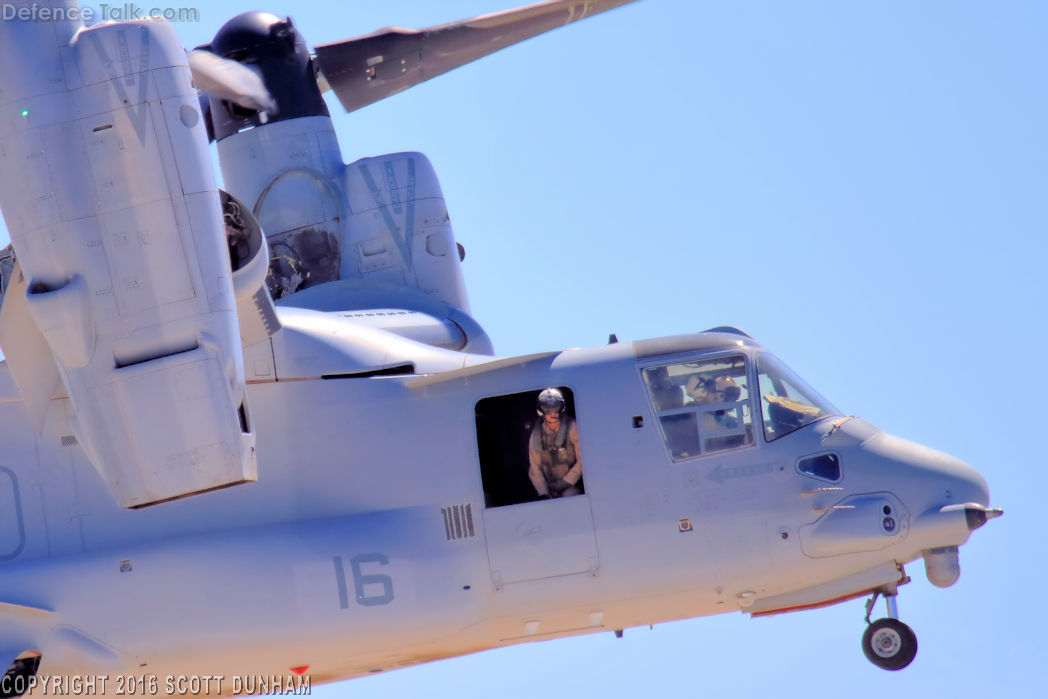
<point x="787" y="403"/>
<point x="703" y="404"/>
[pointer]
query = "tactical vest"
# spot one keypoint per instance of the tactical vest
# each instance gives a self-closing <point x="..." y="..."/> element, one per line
<point x="556" y="452"/>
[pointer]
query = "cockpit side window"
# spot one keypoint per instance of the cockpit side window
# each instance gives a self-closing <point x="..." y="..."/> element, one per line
<point x="703" y="405"/>
<point x="787" y="403"/>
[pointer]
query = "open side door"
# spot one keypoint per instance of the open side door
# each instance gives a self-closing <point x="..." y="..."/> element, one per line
<point x="529" y="538"/>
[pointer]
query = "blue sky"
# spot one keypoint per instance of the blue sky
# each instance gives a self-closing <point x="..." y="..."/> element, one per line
<point x="860" y="186"/>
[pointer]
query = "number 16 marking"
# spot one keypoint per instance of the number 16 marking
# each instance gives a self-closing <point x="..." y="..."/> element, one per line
<point x="360" y="580"/>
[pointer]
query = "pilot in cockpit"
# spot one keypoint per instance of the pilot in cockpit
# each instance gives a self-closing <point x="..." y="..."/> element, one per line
<point x="666" y="393"/>
<point x="725" y="390"/>
<point x="699" y="390"/>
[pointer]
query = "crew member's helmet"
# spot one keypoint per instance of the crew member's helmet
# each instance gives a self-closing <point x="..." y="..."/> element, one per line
<point x="727" y="386"/>
<point x="698" y="388"/>
<point x="551" y="401"/>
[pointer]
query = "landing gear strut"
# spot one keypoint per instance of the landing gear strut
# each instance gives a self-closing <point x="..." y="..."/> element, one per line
<point x="888" y="643"/>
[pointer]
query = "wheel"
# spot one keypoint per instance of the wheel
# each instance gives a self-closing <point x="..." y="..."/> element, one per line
<point x="15" y="682"/>
<point x="889" y="644"/>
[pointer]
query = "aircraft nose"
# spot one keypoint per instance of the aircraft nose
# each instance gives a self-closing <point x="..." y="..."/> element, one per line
<point x="947" y="500"/>
<point x="930" y="478"/>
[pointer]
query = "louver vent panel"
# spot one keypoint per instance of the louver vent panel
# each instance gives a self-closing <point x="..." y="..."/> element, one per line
<point x="458" y="521"/>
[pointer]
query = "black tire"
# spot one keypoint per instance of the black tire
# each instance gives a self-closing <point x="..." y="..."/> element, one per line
<point x="17" y="676"/>
<point x="889" y="644"/>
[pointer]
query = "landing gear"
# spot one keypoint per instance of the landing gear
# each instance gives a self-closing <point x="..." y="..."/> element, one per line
<point x="888" y="643"/>
<point x="15" y="682"/>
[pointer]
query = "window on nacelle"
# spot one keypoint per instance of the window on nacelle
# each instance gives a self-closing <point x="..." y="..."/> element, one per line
<point x="703" y="405"/>
<point x="787" y="403"/>
<point x="514" y="467"/>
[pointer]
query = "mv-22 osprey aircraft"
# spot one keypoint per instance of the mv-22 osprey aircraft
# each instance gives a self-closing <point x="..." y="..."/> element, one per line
<point x="258" y="434"/>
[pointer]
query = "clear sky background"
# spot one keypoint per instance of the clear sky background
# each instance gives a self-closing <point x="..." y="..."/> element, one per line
<point x="860" y="186"/>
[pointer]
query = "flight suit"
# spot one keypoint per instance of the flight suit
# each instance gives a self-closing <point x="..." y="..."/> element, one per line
<point x="554" y="455"/>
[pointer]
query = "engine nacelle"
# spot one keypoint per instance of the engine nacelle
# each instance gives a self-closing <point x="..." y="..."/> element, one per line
<point x="249" y="261"/>
<point x="380" y="223"/>
<point x="110" y="199"/>
<point x="288" y="174"/>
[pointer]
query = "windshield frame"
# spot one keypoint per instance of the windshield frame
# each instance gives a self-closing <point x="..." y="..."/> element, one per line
<point x="796" y="410"/>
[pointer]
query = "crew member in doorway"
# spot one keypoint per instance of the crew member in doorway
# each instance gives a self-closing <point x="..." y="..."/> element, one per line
<point x="553" y="451"/>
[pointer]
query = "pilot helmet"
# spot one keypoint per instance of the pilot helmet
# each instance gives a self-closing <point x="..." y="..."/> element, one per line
<point x="550" y="400"/>
<point x="697" y="387"/>
<point x="727" y="386"/>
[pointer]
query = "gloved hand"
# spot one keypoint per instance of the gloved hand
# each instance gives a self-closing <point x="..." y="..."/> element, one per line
<point x="544" y="496"/>
<point x="558" y="486"/>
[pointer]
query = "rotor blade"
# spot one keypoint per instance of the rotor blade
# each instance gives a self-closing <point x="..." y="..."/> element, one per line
<point x="231" y="81"/>
<point x="372" y="67"/>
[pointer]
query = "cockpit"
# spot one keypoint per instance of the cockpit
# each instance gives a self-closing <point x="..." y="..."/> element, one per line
<point x="707" y="404"/>
<point x="787" y="402"/>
